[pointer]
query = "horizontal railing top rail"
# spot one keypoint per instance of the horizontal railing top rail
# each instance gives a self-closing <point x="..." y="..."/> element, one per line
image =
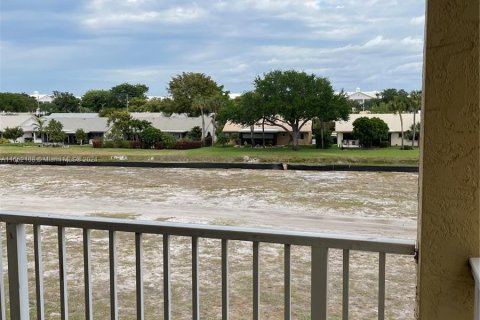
<point x="334" y="241"/>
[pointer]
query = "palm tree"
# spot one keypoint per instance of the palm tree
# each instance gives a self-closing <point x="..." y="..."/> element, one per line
<point x="415" y="105"/>
<point x="399" y="105"/>
<point x="39" y="127"/>
<point x="201" y="103"/>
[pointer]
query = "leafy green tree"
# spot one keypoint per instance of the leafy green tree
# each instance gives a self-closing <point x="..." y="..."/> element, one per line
<point x="80" y="135"/>
<point x="293" y="98"/>
<point x="65" y="102"/>
<point x="123" y="93"/>
<point x="54" y="131"/>
<point x="17" y="102"/>
<point x="96" y="100"/>
<point x="195" y="133"/>
<point x="337" y="109"/>
<point x="124" y="126"/>
<point x="369" y="130"/>
<point x="188" y="89"/>
<point x="222" y="139"/>
<point x="13" y="133"/>
<point x="245" y="110"/>
<point x="150" y="137"/>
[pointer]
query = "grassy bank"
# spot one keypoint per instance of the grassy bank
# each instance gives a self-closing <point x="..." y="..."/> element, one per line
<point x="307" y="154"/>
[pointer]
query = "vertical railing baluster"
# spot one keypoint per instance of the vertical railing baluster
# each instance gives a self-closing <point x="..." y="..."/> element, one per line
<point x="167" y="293"/>
<point x="139" y="275"/>
<point x="17" y="271"/>
<point x="256" y="281"/>
<point x="195" y="286"/>
<point x="381" y="286"/>
<point x="87" y="271"/>
<point x="287" y="283"/>
<point x="2" y="285"/>
<point x="346" y="283"/>
<point x="225" y="276"/>
<point x="62" y="267"/>
<point x="37" y="243"/>
<point x="319" y="296"/>
<point x="112" y="252"/>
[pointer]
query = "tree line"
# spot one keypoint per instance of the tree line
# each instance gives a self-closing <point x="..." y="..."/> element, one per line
<point x="286" y="99"/>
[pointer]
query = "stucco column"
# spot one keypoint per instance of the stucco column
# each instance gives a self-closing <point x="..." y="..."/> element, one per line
<point x="449" y="217"/>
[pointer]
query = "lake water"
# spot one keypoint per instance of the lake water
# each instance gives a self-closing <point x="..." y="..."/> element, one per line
<point x="367" y="203"/>
<point x="341" y="202"/>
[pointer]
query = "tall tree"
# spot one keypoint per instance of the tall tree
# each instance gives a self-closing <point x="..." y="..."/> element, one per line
<point x="337" y="109"/>
<point x="190" y="86"/>
<point x="415" y="102"/>
<point x="65" y="102"/>
<point x="399" y="105"/>
<point x="17" y="102"/>
<point x="293" y="98"/>
<point x="39" y="127"/>
<point x="96" y="100"/>
<point x="124" y="92"/>
<point x="245" y="110"/>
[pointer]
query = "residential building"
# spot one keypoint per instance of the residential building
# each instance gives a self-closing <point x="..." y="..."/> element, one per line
<point x="26" y="121"/>
<point x="343" y="129"/>
<point x="93" y="125"/>
<point x="176" y="124"/>
<point x="274" y="135"/>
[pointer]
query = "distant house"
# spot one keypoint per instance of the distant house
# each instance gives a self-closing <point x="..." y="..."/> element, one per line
<point x="26" y="121"/>
<point x="176" y="124"/>
<point x="93" y="125"/>
<point x="273" y="135"/>
<point x="343" y="129"/>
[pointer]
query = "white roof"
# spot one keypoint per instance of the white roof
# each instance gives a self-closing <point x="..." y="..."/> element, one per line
<point x="73" y="121"/>
<point x="175" y="123"/>
<point x="73" y="115"/>
<point x="391" y="119"/>
<point x="26" y="121"/>
<point x="233" y="127"/>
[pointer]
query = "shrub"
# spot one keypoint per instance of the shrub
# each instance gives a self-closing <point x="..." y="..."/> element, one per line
<point x="187" y="144"/>
<point x="195" y="133"/>
<point x="384" y="144"/>
<point x="327" y="140"/>
<point x="134" y="144"/>
<point x="4" y="141"/>
<point x="406" y="148"/>
<point x="150" y="136"/>
<point x="97" y="143"/>
<point x="168" y="140"/>
<point x="222" y="139"/>
<point x="108" y="144"/>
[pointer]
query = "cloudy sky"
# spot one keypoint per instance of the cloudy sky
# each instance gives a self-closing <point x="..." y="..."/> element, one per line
<point x="79" y="45"/>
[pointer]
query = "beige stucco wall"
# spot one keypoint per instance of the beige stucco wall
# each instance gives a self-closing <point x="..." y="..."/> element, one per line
<point x="450" y="167"/>
<point x="284" y="139"/>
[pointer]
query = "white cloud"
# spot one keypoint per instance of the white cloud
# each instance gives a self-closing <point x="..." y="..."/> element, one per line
<point x="418" y="21"/>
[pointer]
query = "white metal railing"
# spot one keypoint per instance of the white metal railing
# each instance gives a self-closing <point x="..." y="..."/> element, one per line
<point x="475" y="264"/>
<point x="319" y="243"/>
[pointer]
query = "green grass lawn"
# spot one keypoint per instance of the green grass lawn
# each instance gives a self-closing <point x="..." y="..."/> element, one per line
<point x="306" y="154"/>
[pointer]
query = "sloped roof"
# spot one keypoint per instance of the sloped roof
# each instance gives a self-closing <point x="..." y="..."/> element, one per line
<point x="175" y="122"/>
<point x="236" y="128"/>
<point x="24" y="121"/>
<point x="74" y="115"/>
<point x="391" y="119"/>
<point x="73" y="123"/>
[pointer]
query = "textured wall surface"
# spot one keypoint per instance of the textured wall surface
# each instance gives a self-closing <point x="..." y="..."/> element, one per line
<point x="450" y="167"/>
